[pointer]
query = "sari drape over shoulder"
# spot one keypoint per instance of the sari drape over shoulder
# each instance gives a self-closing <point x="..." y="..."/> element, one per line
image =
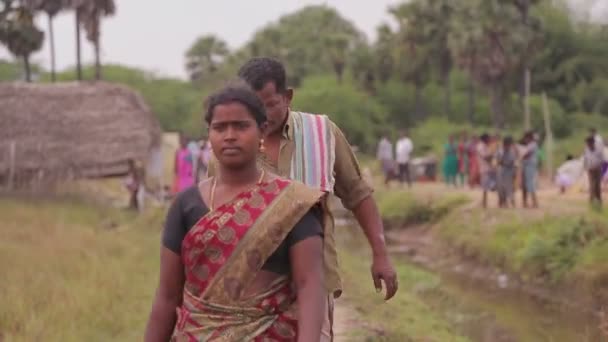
<point x="223" y="253"/>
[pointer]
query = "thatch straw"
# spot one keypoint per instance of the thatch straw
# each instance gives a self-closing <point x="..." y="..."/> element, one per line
<point x="90" y="129"/>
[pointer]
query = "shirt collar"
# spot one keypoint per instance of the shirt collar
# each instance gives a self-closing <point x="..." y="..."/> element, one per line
<point x="288" y="127"/>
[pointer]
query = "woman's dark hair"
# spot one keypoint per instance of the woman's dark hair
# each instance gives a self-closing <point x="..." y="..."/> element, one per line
<point x="485" y="137"/>
<point x="508" y="141"/>
<point x="237" y="92"/>
<point x="260" y="70"/>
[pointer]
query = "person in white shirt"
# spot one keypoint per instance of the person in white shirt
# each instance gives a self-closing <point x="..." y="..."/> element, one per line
<point x="385" y="156"/>
<point x="404" y="150"/>
<point x="568" y="173"/>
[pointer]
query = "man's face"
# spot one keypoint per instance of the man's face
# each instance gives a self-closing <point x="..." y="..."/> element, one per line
<point x="276" y="104"/>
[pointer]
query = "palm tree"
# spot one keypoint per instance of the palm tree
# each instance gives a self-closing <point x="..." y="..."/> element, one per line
<point x="490" y="42"/>
<point x="77" y="5"/>
<point x="362" y="67"/>
<point x="462" y="42"/>
<point x="383" y="51"/>
<point x="204" y="56"/>
<point x="337" y="50"/>
<point x="412" y="51"/>
<point x="91" y="13"/>
<point x="19" y="33"/>
<point x="51" y="8"/>
<point x="439" y="17"/>
<point x="524" y="6"/>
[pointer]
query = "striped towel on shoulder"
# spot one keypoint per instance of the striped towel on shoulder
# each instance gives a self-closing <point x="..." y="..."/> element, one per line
<point x="314" y="155"/>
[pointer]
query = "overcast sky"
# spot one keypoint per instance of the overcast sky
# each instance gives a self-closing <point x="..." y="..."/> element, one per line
<point x="154" y="34"/>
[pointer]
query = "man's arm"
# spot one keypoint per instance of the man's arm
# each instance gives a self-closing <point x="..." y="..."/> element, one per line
<point x="356" y="195"/>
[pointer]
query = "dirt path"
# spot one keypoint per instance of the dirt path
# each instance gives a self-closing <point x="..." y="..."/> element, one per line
<point x="349" y="326"/>
<point x="345" y="320"/>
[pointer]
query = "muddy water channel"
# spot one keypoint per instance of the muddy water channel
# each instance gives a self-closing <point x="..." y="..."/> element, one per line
<point x="491" y="313"/>
<point x="486" y="313"/>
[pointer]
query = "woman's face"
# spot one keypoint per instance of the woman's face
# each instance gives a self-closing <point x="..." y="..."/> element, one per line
<point x="234" y="135"/>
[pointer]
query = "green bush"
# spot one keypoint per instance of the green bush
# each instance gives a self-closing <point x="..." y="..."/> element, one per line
<point x="561" y="124"/>
<point x="398" y="100"/>
<point x="400" y="209"/>
<point x="557" y="254"/>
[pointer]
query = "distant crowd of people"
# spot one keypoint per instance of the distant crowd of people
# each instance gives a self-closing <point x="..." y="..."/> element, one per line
<point x="503" y="165"/>
<point x="495" y="164"/>
<point x="191" y="163"/>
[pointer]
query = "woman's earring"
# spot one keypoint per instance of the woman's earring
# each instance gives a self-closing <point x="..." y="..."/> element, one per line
<point x="262" y="148"/>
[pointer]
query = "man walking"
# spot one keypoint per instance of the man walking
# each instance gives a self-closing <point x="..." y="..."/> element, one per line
<point x="312" y="149"/>
<point x="404" y="150"/>
<point x="385" y="156"/>
<point x="593" y="160"/>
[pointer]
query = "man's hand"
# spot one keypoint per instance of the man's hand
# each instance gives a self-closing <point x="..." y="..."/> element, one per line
<point x="383" y="270"/>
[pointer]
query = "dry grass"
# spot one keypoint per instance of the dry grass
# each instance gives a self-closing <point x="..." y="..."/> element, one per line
<point x="75" y="273"/>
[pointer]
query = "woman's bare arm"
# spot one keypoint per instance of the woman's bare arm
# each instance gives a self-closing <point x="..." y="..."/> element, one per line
<point x="168" y="297"/>
<point x="306" y="258"/>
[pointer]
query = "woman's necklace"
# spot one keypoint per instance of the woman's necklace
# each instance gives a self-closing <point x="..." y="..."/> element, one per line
<point x="214" y="184"/>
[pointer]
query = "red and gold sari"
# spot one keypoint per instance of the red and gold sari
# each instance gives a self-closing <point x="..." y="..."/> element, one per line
<point x="223" y="253"/>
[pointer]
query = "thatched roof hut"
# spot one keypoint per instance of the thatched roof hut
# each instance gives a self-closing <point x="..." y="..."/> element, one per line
<point x="87" y="129"/>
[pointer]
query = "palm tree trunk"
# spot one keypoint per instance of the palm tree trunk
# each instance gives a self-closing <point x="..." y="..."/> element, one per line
<point x="418" y="99"/>
<point x="97" y="61"/>
<point x="527" y="122"/>
<point x="78" y="60"/>
<point x="339" y="70"/>
<point x="52" y="45"/>
<point x="26" y="65"/>
<point x="471" y="101"/>
<point x="447" y="105"/>
<point x="497" y="105"/>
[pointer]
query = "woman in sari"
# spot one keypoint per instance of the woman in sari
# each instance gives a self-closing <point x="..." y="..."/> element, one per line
<point x="473" y="160"/>
<point x="184" y="166"/>
<point x="450" y="162"/>
<point x="463" y="160"/>
<point x="242" y="255"/>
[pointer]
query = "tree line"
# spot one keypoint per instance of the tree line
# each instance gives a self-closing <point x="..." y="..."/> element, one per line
<point x="21" y="36"/>
<point x="503" y="48"/>
<point x="481" y="63"/>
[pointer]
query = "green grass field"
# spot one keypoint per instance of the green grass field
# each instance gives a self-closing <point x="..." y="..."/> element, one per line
<point x="404" y="318"/>
<point x="564" y="240"/>
<point x="77" y="272"/>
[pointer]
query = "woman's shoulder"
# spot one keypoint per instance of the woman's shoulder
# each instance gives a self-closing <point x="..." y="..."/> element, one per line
<point x="188" y="195"/>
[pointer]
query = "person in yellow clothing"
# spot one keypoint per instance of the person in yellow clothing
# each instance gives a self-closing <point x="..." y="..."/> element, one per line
<point x="312" y="149"/>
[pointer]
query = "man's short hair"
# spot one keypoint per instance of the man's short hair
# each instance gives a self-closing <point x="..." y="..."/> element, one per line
<point x="258" y="71"/>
